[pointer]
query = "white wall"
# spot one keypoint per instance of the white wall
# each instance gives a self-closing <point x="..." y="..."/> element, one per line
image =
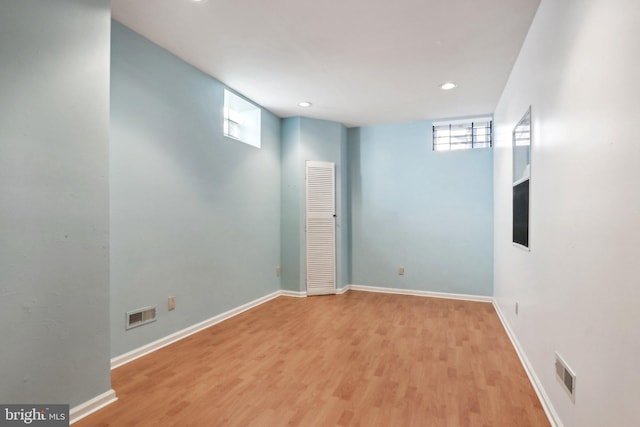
<point x="578" y="287"/>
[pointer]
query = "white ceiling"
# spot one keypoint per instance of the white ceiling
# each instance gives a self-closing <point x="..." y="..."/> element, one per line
<point x="359" y="62"/>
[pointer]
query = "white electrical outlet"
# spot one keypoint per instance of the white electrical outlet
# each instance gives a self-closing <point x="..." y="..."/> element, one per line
<point x="278" y="271"/>
<point x="172" y="303"/>
<point x="401" y="271"/>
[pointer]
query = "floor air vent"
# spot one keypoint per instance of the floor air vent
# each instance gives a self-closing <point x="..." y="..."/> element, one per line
<point x="566" y="377"/>
<point x="140" y="317"/>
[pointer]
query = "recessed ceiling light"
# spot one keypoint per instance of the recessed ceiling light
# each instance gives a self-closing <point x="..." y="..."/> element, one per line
<point x="305" y="104"/>
<point x="448" y="86"/>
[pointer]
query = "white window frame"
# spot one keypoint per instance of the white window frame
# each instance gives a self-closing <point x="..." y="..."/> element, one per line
<point x="242" y="119"/>
<point x="464" y="134"/>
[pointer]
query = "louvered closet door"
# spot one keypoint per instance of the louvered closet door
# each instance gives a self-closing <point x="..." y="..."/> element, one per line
<point x="321" y="228"/>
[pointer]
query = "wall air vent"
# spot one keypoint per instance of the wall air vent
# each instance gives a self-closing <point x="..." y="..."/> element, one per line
<point x="140" y="316"/>
<point x="566" y="377"/>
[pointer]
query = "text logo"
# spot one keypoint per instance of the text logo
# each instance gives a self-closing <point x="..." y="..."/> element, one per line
<point x="34" y="415"/>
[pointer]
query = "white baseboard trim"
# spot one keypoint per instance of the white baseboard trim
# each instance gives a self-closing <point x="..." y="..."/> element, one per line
<point x="78" y="412"/>
<point x="552" y="415"/>
<point x="90" y="406"/>
<point x="294" y="294"/>
<point x="464" y="297"/>
<point x="303" y="294"/>
<point x="177" y="336"/>
<point x="341" y="291"/>
<point x="125" y="358"/>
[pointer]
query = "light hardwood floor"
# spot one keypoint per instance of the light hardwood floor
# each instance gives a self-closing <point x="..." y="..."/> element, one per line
<point x="358" y="359"/>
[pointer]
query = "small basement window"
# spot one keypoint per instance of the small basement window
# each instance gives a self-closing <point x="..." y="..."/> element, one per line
<point x="241" y="119"/>
<point x="462" y="134"/>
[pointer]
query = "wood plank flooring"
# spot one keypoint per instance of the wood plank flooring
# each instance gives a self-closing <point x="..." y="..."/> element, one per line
<point x="358" y="359"/>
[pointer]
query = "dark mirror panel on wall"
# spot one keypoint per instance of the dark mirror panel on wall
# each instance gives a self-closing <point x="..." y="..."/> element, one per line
<point x="521" y="179"/>
<point x="521" y="213"/>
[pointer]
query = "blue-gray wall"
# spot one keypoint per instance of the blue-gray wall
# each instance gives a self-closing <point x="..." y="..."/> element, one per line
<point x="431" y="212"/>
<point x="194" y="214"/>
<point x="320" y="140"/>
<point x="54" y="224"/>
<point x="292" y="209"/>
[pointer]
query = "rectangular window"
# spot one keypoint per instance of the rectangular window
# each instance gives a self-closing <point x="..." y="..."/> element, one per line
<point x="462" y="134"/>
<point x="242" y="119"/>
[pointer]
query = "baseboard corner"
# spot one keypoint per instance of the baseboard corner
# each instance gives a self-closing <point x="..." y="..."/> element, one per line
<point x="342" y="290"/>
<point x="90" y="406"/>
<point x="293" y="294"/>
